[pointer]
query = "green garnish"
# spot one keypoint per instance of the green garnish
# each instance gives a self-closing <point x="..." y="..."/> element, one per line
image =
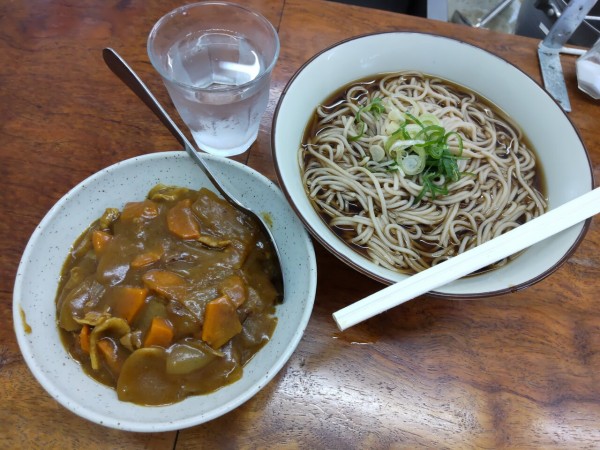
<point x="440" y="163"/>
<point x="431" y="187"/>
<point x="414" y="162"/>
<point x="426" y="152"/>
<point x="376" y="107"/>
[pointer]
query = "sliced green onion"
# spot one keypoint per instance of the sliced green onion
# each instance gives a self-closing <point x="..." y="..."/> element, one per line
<point x="431" y="187"/>
<point x="419" y="146"/>
<point x="376" y="107"/>
<point x="458" y="137"/>
<point x="377" y="152"/>
<point x="396" y="115"/>
<point x="414" y="119"/>
<point x="411" y="130"/>
<point x="428" y="119"/>
<point x="402" y="144"/>
<point x="405" y="135"/>
<point x="414" y="163"/>
<point x="435" y="150"/>
<point x="433" y="134"/>
<point x="359" y="135"/>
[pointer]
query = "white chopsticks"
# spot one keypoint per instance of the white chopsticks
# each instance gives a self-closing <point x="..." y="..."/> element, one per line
<point x="536" y="230"/>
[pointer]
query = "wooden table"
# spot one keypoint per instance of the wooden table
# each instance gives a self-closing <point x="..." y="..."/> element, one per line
<point x="521" y="370"/>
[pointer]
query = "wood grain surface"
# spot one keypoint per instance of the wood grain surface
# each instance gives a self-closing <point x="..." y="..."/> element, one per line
<point x="516" y="371"/>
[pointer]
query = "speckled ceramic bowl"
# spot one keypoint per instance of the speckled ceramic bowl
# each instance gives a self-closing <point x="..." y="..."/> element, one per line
<point x="566" y="166"/>
<point x="39" y="270"/>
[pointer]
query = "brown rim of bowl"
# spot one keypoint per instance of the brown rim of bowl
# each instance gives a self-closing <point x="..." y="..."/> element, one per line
<point x="383" y="280"/>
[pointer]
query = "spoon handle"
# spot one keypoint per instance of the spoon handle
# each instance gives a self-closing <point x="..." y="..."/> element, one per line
<point x="122" y="70"/>
<point x="536" y="230"/>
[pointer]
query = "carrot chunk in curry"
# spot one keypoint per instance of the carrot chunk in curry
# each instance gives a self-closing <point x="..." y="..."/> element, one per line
<point x="127" y="301"/>
<point x="146" y="209"/>
<point x="166" y="283"/>
<point x="146" y="258"/>
<point x="160" y="333"/>
<point x="181" y="222"/>
<point x="175" y="294"/>
<point x="221" y="322"/>
<point x="100" y="240"/>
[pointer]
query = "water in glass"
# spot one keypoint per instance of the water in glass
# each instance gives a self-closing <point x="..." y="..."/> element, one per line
<point x="222" y="112"/>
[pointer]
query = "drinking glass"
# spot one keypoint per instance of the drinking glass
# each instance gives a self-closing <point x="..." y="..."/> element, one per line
<point x="216" y="59"/>
<point x="588" y="71"/>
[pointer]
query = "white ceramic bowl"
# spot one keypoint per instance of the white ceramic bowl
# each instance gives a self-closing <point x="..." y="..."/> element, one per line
<point x="561" y="152"/>
<point x="39" y="270"/>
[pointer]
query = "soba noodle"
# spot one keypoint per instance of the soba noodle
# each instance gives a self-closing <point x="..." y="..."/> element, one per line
<point x="356" y="183"/>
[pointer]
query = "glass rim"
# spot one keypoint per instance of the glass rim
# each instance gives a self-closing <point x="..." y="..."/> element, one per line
<point x="153" y="58"/>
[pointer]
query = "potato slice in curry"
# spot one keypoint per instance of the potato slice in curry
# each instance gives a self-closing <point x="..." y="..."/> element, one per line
<point x="143" y="379"/>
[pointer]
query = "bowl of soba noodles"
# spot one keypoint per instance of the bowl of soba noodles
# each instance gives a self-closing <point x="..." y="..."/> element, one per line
<point x="401" y="150"/>
<point x="146" y="302"/>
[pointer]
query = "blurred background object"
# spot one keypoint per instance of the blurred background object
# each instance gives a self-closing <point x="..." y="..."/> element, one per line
<point x="473" y="11"/>
<point x="410" y="7"/>
<point x="536" y="17"/>
<point x="532" y="18"/>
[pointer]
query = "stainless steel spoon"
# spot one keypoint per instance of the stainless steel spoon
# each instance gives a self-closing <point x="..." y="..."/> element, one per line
<point x="122" y="70"/>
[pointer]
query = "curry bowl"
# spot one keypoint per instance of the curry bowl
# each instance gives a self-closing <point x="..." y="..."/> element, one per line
<point x="562" y="159"/>
<point x="35" y="312"/>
